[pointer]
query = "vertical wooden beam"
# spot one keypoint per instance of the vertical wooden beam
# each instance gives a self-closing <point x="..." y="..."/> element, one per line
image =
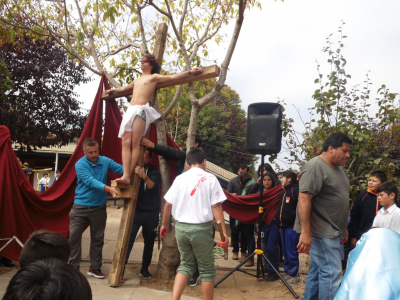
<point x="128" y="212"/>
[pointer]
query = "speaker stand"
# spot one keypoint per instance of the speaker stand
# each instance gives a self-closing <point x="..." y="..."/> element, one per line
<point x="260" y="254"/>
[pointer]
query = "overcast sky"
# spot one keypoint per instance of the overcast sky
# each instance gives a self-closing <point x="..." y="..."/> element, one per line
<point x="278" y="46"/>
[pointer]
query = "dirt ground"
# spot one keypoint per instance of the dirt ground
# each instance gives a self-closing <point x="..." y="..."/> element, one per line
<point x="237" y="286"/>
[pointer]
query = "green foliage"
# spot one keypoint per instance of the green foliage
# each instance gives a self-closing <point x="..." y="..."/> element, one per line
<point x="375" y="132"/>
<point x="109" y="36"/>
<point x="221" y="124"/>
<point x="37" y="101"/>
<point x="5" y="80"/>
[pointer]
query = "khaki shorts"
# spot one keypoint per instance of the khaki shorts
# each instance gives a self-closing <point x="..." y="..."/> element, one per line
<point x="195" y="242"/>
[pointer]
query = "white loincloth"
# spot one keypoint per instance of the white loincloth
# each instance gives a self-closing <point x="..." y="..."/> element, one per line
<point x="132" y="112"/>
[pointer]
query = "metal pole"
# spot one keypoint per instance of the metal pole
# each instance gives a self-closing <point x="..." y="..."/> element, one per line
<point x="56" y="164"/>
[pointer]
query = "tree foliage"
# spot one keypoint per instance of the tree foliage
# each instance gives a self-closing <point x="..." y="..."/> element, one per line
<point x="40" y="107"/>
<point x="221" y="124"/>
<point x="372" y="123"/>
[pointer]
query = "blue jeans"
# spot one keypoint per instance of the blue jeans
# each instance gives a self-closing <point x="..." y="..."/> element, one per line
<point x="325" y="273"/>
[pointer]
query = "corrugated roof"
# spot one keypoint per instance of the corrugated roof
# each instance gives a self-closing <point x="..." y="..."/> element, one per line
<point x="219" y="172"/>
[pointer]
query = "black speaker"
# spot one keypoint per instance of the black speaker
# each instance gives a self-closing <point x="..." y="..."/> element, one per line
<point x="264" y="133"/>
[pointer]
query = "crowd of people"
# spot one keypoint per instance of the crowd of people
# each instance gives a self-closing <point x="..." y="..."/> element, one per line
<point x="312" y="217"/>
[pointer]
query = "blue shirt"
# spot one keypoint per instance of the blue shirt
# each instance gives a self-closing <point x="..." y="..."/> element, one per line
<point x="92" y="179"/>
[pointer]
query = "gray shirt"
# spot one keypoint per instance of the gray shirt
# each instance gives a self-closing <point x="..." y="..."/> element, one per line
<point x="330" y="204"/>
<point x="234" y="185"/>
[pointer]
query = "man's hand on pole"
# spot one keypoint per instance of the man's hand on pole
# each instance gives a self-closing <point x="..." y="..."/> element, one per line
<point x="140" y="172"/>
<point x="147" y="143"/>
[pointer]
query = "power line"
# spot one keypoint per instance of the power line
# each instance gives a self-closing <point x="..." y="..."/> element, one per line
<point x="227" y="149"/>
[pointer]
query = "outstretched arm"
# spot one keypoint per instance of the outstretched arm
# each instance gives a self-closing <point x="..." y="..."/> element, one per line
<point x="167" y="78"/>
<point x="121" y="89"/>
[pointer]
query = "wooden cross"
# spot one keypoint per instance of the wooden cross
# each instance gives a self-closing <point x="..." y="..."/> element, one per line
<point x="130" y="192"/>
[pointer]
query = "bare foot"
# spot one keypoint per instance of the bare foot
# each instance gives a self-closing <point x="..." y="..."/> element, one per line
<point x="123" y="179"/>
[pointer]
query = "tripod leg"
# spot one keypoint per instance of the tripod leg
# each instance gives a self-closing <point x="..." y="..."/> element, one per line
<point x="280" y="276"/>
<point x="234" y="269"/>
<point x="260" y="266"/>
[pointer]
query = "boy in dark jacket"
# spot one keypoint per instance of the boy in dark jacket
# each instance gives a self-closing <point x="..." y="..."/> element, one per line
<point x="285" y="217"/>
<point x="365" y="208"/>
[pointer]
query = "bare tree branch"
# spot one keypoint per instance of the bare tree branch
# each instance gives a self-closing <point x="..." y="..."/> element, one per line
<point x="167" y="111"/>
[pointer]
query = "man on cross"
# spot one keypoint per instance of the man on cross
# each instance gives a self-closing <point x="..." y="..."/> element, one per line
<point x="132" y="129"/>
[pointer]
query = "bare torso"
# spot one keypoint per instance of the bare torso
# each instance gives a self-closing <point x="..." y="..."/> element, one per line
<point x="143" y="89"/>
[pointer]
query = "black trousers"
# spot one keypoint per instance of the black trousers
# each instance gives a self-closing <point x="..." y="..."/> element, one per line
<point x="235" y="230"/>
<point x="149" y="222"/>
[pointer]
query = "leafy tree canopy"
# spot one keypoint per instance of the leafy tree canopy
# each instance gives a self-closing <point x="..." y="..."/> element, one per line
<point x="40" y="108"/>
<point x="221" y="124"/>
<point x="372" y="124"/>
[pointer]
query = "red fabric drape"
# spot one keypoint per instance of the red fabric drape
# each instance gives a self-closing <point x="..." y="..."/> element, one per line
<point x="23" y="211"/>
<point x="245" y="208"/>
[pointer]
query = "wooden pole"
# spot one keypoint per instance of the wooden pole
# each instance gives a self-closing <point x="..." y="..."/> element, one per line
<point x="128" y="211"/>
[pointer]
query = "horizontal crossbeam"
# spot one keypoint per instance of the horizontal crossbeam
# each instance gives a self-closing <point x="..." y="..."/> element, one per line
<point x="208" y="72"/>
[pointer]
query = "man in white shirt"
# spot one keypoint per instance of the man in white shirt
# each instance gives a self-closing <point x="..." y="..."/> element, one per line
<point x="194" y="199"/>
<point x="389" y="215"/>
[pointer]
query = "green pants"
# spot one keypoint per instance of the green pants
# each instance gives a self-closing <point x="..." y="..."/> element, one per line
<point x="195" y="242"/>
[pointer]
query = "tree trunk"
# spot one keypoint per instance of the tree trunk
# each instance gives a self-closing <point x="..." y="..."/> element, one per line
<point x="194" y="114"/>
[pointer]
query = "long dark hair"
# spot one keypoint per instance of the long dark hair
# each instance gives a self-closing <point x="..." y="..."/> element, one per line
<point x="154" y="63"/>
<point x="244" y="178"/>
<point x="270" y="175"/>
<point x="267" y="167"/>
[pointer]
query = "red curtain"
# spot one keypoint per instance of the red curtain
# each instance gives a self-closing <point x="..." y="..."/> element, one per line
<point x="23" y="211"/>
<point x="245" y="208"/>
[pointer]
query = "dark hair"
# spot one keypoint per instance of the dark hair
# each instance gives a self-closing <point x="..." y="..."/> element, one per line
<point x="149" y="153"/>
<point x="244" y="166"/>
<point x="270" y="175"/>
<point x="389" y="187"/>
<point x="48" y="279"/>
<point x="154" y="63"/>
<point x="290" y="174"/>
<point x="46" y="174"/>
<point x="198" y="140"/>
<point x="58" y="171"/>
<point x="244" y="178"/>
<point x="336" y="140"/>
<point x="279" y="173"/>
<point x="89" y="142"/>
<point x="195" y="156"/>
<point x="380" y="175"/>
<point x="267" y="167"/>
<point x="44" y="244"/>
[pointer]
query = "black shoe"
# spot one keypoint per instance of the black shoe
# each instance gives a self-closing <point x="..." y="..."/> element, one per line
<point x="145" y="273"/>
<point x="272" y="277"/>
<point x="193" y="281"/>
<point x="7" y="262"/>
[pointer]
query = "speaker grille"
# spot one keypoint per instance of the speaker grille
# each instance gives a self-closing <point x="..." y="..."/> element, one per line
<point x="264" y="133"/>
